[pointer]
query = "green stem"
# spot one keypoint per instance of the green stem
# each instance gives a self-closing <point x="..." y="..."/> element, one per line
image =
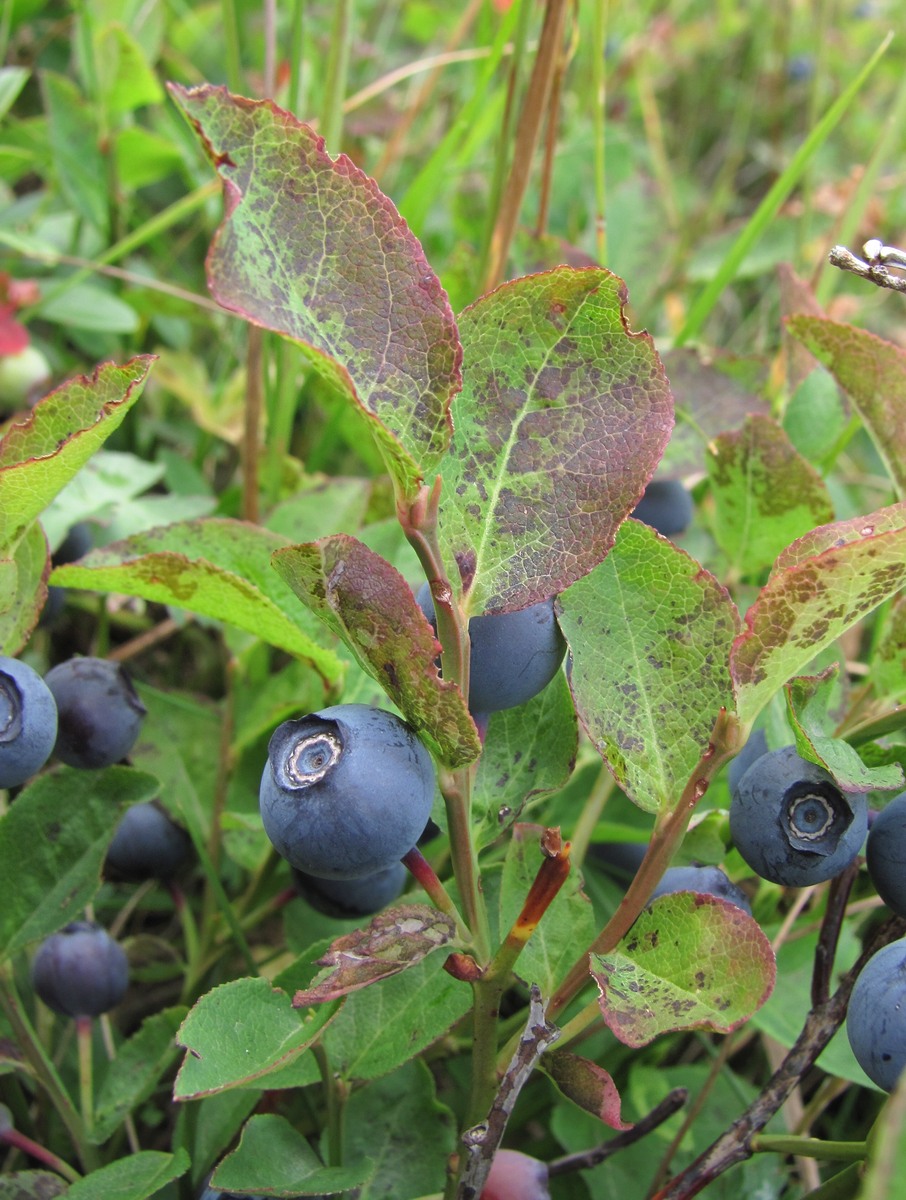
<point x="599" y="78"/>
<point x="84" y="1029"/>
<point x="18" y="1141"/>
<point x="232" y="55"/>
<point x="809" y="1147"/>
<point x="600" y="793"/>
<point x="46" y="1073"/>
<point x="334" y="1101"/>
<point x="331" y="126"/>
<point x="296" y="59"/>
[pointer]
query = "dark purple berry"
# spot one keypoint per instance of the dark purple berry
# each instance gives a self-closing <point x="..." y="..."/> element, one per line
<point x="80" y="971"/>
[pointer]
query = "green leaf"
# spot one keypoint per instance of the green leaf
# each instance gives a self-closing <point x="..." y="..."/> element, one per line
<point x="765" y="493"/>
<point x="399" y="1134"/>
<point x="366" y="602"/>
<point x="23" y="589"/>
<point x="689" y="962"/>
<point x="144" y="157"/>
<point x="274" y="1159"/>
<point x="12" y="81"/>
<point x="60" y="826"/>
<point x="568" y="924"/>
<point x="888" y="665"/>
<point x="887" y="1156"/>
<point x="75" y="144"/>
<point x="529" y="752"/>
<point x="239" y="1034"/>
<point x="136" y="1071"/>
<point x="39" y="455"/>
<point x="205" y="1128"/>
<point x="126" y="79"/>
<point x="872" y="372"/>
<point x="109" y="479"/>
<point x="808" y="704"/>
<point x="216" y="567"/>
<point x="88" y="306"/>
<point x="650" y="633"/>
<point x="563" y="417"/>
<point x="814" y="595"/>
<point x="386" y="1025"/>
<point x="134" y="1177"/>
<point x="312" y="249"/>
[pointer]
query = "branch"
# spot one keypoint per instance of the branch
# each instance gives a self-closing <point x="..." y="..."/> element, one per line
<point x="876" y="269"/>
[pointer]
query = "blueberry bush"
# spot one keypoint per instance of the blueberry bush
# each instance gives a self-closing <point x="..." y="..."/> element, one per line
<point x="441" y="722"/>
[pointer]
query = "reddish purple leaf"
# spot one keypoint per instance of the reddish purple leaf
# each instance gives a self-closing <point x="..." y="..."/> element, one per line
<point x="587" y="1085"/>
<point x="312" y="249"/>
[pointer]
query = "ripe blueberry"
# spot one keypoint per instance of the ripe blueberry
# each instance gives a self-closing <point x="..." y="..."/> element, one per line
<point x="146" y="845"/>
<point x="874" y="1020"/>
<point x="100" y="714"/>
<point x="80" y="971"/>
<point x="352" y="897"/>
<point x="666" y="506"/>
<point x="516" y="1176"/>
<point x="885" y="853"/>
<point x="711" y="881"/>
<point x="750" y="753"/>
<point x="513" y="655"/>
<point x="28" y="722"/>
<point x="345" y="792"/>
<point x="792" y="824"/>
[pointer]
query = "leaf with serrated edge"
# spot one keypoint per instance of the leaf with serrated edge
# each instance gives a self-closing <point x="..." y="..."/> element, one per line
<point x="366" y="602"/>
<point x="40" y="454"/>
<point x="239" y="1034"/>
<point x="312" y="249"/>
<point x="214" y="566"/>
<point x="563" y="417"/>
<point x="650" y="633"/>
<point x="765" y="493"/>
<point x="394" y="941"/>
<point x="586" y="1084"/>
<point x="690" y="961"/>
<point x="807" y="606"/>
<point x="872" y="372"/>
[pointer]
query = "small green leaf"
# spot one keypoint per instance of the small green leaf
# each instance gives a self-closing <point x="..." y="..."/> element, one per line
<point x="126" y="79"/>
<point x="529" y="752"/>
<point x="366" y="602"/>
<point x="312" y="249"/>
<point x="31" y="1185"/>
<point x="274" y="1159"/>
<point x="144" y="157"/>
<point x="134" y="1177"/>
<point x="216" y="567"/>
<point x="136" y="1071"/>
<point x="239" y="1034"/>
<point x="650" y="633"/>
<point x="563" y="417"/>
<point x="888" y="666"/>
<point x="88" y="306"/>
<point x="810" y="601"/>
<point x="872" y="372"/>
<point x="60" y="825"/>
<point x="23" y="589"/>
<point x="39" y="455"/>
<point x="689" y="962"/>
<point x="12" y="81"/>
<point x="765" y="493"/>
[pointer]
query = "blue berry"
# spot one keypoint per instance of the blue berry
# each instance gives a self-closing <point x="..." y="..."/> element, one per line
<point x="346" y="792"/>
<point x="666" y="506"/>
<point x="100" y="715"/>
<point x="80" y="971"/>
<point x="792" y="824"/>
<point x="885" y="853"/>
<point x="146" y="845"/>
<point x="755" y="747"/>
<point x="513" y="655"/>
<point x="352" y="897"/>
<point x="709" y="881"/>
<point x="28" y="722"/>
<point x="875" y="1022"/>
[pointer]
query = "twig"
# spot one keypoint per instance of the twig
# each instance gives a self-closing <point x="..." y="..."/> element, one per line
<point x="584" y="1160"/>
<point x="483" y="1140"/>
<point x="876" y="269"/>
<point x="826" y="949"/>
